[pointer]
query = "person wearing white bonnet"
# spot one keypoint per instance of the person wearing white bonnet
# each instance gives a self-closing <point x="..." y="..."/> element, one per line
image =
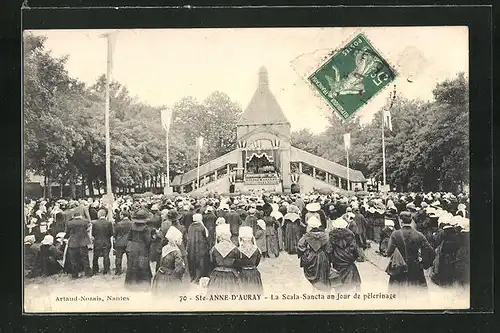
<point x="250" y="279"/>
<point x="344" y="253"/>
<point x="313" y="251"/>
<point x="461" y="210"/>
<point x="209" y="220"/>
<point x="219" y="221"/>
<point x="260" y="237"/>
<point x="292" y="229"/>
<point x="197" y="249"/>
<point x="385" y="236"/>
<point x="447" y="242"/>
<point x="171" y="268"/>
<point x="47" y="260"/>
<point x="47" y="240"/>
<point x="314" y="209"/>
<point x="313" y="223"/>
<point x="278" y="216"/>
<point x="341" y="222"/>
<point x="224" y="258"/>
<point x="29" y="253"/>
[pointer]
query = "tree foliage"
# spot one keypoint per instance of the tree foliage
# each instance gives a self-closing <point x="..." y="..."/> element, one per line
<point x="427" y="149"/>
<point x="64" y="136"/>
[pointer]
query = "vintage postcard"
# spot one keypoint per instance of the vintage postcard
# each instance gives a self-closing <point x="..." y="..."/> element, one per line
<point x="245" y="170"/>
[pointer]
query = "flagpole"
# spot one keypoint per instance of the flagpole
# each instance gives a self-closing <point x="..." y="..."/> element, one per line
<point x="167" y="182"/>
<point x="199" y="144"/>
<point x="383" y="150"/>
<point x="198" y="169"/>
<point x="347" y="154"/>
<point x="109" y="189"/>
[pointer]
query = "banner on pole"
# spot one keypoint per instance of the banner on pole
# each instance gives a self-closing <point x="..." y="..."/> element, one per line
<point x="199" y="142"/>
<point x="166" y="118"/>
<point x="388" y="119"/>
<point x="347" y="141"/>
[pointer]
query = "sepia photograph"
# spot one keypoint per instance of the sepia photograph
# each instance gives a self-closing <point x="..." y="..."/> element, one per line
<point x="246" y="169"/>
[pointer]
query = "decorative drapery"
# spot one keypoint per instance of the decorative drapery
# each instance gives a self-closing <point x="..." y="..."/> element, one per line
<point x="259" y="154"/>
<point x="242" y="144"/>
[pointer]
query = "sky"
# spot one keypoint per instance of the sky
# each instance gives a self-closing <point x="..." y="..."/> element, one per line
<point x="161" y="66"/>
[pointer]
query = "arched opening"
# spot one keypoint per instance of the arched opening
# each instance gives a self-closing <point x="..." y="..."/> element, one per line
<point x="260" y="163"/>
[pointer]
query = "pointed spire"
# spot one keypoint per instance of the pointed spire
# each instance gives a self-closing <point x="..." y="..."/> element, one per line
<point x="263" y="107"/>
<point x="263" y="79"/>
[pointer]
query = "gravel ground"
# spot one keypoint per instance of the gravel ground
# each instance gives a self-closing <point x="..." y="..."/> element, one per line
<point x="280" y="276"/>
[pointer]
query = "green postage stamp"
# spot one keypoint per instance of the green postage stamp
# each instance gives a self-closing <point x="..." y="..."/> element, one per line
<point x="352" y="76"/>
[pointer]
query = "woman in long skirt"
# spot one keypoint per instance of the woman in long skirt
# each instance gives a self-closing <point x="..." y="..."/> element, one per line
<point x="292" y="229"/>
<point x="279" y="229"/>
<point x="168" y="278"/>
<point x="313" y="249"/>
<point x="261" y="238"/>
<point x="250" y="279"/>
<point x="344" y="254"/>
<point x="139" y="237"/>
<point x="272" y="242"/>
<point x="224" y="257"/>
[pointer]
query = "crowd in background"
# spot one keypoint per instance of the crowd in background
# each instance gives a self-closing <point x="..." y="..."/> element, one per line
<point x="218" y="241"/>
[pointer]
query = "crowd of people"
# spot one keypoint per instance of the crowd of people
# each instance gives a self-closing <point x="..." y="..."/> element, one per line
<point x="218" y="241"/>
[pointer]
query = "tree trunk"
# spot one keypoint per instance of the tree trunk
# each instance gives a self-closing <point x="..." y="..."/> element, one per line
<point x="90" y="183"/>
<point x="44" y="186"/>
<point x="72" y="186"/>
<point x="49" y="188"/>
<point x="82" y="188"/>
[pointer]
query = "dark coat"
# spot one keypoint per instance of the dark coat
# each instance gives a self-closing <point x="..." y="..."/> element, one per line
<point x="313" y="249"/>
<point x="251" y="221"/>
<point x="197" y="251"/>
<point x="138" y="270"/>
<point x="92" y="213"/>
<point x="187" y="219"/>
<point x="344" y="252"/>
<point x="209" y="222"/>
<point x="76" y="231"/>
<point x="409" y="241"/>
<point x="102" y="231"/>
<point x="155" y="221"/>
<point x="121" y="230"/>
<point x="233" y="219"/>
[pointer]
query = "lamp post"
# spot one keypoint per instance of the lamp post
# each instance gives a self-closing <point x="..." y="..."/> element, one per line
<point x="166" y="118"/>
